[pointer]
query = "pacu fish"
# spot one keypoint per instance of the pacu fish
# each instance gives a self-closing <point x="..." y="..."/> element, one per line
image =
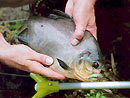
<point x="52" y="37"/>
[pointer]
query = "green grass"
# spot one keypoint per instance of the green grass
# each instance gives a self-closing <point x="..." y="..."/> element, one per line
<point x="92" y="94"/>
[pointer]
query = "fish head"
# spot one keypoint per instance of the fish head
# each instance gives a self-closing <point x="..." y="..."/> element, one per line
<point x="86" y="67"/>
<point x="89" y="63"/>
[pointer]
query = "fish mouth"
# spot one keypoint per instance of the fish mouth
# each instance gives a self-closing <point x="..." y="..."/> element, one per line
<point x="95" y="76"/>
<point x="85" y="72"/>
<point x="81" y="71"/>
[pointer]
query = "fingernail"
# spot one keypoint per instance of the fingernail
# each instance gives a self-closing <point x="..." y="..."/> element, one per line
<point x="74" y="42"/>
<point x="49" y="60"/>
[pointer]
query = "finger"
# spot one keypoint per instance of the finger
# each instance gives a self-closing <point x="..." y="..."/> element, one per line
<point x="92" y="26"/>
<point x="93" y="30"/>
<point x="78" y="34"/>
<point x="69" y="8"/>
<point x="36" y="67"/>
<point x="42" y="58"/>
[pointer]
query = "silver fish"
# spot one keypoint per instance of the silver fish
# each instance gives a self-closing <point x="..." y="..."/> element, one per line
<point x="52" y="37"/>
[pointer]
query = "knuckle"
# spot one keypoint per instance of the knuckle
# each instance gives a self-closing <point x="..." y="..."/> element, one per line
<point x="42" y="57"/>
<point x="78" y="36"/>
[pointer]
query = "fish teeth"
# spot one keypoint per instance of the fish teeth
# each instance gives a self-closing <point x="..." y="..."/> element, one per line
<point x="95" y="76"/>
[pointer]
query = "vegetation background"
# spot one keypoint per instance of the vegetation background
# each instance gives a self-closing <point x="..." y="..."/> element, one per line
<point x="113" y="22"/>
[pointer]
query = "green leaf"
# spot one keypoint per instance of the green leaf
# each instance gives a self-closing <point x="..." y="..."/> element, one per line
<point x="87" y="95"/>
<point x="98" y="95"/>
<point x="16" y="32"/>
<point x="16" y="26"/>
<point x="103" y="97"/>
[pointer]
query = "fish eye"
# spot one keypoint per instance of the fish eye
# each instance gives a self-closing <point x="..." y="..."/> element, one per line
<point x="95" y="65"/>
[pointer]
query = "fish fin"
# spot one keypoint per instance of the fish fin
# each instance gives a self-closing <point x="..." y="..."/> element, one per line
<point x="57" y="14"/>
<point x="63" y="65"/>
<point x="53" y="16"/>
<point x="61" y="13"/>
<point x="22" y="36"/>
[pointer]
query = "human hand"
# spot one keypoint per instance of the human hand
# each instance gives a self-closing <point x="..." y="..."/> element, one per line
<point x="24" y="58"/>
<point x="84" y="17"/>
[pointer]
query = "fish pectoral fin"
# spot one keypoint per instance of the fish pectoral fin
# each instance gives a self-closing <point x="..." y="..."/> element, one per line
<point x="63" y="64"/>
<point x="22" y="36"/>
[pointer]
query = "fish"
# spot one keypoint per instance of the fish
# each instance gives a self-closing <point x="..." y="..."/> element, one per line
<point x="51" y="36"/>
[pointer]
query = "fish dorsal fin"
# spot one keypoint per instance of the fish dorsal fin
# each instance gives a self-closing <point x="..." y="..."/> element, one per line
<point x="57" y="14"/>
<point x="60" y="13"/>
<point x="23" y="35"/>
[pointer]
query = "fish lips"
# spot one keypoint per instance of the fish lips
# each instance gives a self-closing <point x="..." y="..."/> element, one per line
<point x="92" y="77"/>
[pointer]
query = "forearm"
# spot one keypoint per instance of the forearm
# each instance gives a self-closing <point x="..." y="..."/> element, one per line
<point x="15" y="3"/>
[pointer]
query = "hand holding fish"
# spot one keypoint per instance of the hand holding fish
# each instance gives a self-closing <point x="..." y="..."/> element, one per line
<point x="84" y="18"/>
<point x="24" y="58"/>
<point x="84" y="64"/>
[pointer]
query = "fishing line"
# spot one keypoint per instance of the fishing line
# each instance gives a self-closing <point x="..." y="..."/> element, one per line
<point x="16" y="75"/>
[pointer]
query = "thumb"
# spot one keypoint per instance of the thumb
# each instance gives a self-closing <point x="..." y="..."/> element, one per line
<point x="78" y="34"/>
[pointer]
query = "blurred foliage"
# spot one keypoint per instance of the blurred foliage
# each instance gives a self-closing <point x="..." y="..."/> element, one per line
<point x="86" y="94"/>
<point x="15" y="28"/>
<point x="92" y="94"/>
<point x="10" y="29"/>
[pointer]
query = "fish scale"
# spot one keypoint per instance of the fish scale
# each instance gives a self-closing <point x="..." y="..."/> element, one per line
<point x="52" y="36"/>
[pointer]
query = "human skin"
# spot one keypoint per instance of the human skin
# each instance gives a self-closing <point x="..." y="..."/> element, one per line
<point x="84" y="17"/>
<point x="24" y="58"/>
